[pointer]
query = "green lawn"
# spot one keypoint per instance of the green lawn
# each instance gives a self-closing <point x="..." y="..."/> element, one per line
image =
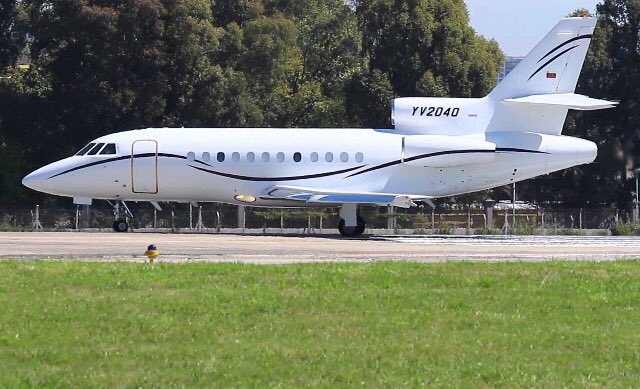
<point x="385" y="324"/>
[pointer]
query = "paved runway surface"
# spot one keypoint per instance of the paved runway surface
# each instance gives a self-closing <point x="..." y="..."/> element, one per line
<point x="279" y="249"/>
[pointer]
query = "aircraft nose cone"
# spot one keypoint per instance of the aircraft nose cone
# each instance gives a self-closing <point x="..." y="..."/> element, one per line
<point x="34" y="180"/>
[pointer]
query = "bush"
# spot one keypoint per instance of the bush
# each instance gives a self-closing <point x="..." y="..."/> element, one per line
<point x="444" y="229"/>
<point x="487" y="231"/>
<point x="526" y="229"/>
<point x="568" y="232"/>
<point x="622" y="229"/>
<point x="7" y="227"/>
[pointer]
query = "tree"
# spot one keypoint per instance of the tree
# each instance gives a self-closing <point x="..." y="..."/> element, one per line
<point x="427" y="46"/>
<point x="12" y="32"/>
<point x="610" y="72"/>
<point x="101" y="66"/>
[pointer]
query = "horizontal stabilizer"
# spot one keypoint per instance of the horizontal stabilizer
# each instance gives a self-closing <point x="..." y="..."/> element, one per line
<point x="318" y="196"/>
<point x="565" y="100"/>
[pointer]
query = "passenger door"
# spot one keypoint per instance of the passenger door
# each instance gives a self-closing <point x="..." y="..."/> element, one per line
<point x="144" y="166"/>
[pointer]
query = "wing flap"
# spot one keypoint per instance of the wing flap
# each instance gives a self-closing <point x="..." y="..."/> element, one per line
<point x="318" y="196"/>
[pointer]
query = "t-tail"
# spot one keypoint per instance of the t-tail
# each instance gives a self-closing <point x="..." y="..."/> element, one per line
<point x="534" y="97"/>
<point x="538" y="93"/>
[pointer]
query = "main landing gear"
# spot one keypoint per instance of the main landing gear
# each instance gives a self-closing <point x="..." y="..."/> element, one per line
<point x="121" y="213"/>
<point x="351" y="224"/>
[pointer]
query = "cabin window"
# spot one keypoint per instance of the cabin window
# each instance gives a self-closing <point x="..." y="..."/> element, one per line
<point x="266" y="157"/>
<point x="328" y="157"/>
<point x="251" y="157"/>
<point x="191" y="156"/>
<point x="359" y="157"/>
<point x="235" y="157"/>
<point x="85" y="149"/>
<point x="297" y="157"/>
<point x="95" y="149"/>
<point x="280" y="157"/>
<point x="109" y="149"/>
<point x="206" y="157"/>
<point x="314" y="157"/>
<point x="344" y="157"/>
<point x="220" y="157"/>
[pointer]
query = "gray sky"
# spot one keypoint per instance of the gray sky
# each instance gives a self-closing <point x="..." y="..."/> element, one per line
<point x="518" y="25"/>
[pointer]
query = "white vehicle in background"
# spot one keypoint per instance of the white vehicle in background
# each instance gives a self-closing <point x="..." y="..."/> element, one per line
<point x="439" y="147"/>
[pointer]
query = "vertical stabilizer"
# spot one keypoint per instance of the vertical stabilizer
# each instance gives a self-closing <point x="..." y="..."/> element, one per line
<point x="552" y="67"/>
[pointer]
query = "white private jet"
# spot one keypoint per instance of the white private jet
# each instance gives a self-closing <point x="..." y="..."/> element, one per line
<point x="439" y="147"/>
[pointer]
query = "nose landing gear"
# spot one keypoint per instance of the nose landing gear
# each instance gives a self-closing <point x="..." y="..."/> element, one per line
<point x="120" y="226"/>
<point x="120" y="209"/>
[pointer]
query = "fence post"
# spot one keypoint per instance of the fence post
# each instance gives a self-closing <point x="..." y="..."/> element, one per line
<point x="580" y="218"/>
<point x="321" y="213"/>
<point x="36" y="220"/>
<point x="190" y="216"/>
<point x="87" y="216"/>
<point x="281" y="220"/>
<point x="241" y="217"/>
<point x="77" y="216"/>
<point x="155" y="218"/>
<point x="505" y="228"/>
<point x="469" y="219"/>
<point x="391" y="218"/>
<point x="173" y="221"/>
<point x="514" y="205"/>
<point x="433" y="219"/>
<point x="489" y="205"/>
<point x="200" y="224"/>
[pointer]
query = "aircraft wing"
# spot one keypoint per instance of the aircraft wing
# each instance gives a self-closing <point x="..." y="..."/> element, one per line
<point x="319" y="196"/>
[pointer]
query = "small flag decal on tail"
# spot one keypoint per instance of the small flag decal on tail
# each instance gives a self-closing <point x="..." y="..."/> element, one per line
<point x="552" y="75"/>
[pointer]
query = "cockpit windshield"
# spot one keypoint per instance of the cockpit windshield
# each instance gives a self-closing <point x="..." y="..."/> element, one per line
<point x="95" y="149"/>
<point x="109" y="149"/>
<point x="85" y="149"/>
<point x="98" y="148"/>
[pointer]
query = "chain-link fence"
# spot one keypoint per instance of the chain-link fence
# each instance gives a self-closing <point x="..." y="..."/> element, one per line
<point x="211" y="217"/>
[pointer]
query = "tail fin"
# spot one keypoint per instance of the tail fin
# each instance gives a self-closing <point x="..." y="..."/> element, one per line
<point x="554" y="65"/>
<point x="537" y="95"/>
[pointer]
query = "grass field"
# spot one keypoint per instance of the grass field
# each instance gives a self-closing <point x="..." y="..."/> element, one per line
<point x="384" y="324"/>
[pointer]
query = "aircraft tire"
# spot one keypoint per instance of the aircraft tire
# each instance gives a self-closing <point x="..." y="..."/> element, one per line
<point x="120" y="226"/>
<point x="352" y="232"/>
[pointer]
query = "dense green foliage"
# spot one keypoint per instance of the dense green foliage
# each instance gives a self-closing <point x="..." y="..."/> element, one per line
<point x="611" y="72"/>
<point x="103" y="66"/>
<point x="370" y="325"/>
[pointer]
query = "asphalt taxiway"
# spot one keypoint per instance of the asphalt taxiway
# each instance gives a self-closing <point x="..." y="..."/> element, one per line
<point x="298" y="249"/>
